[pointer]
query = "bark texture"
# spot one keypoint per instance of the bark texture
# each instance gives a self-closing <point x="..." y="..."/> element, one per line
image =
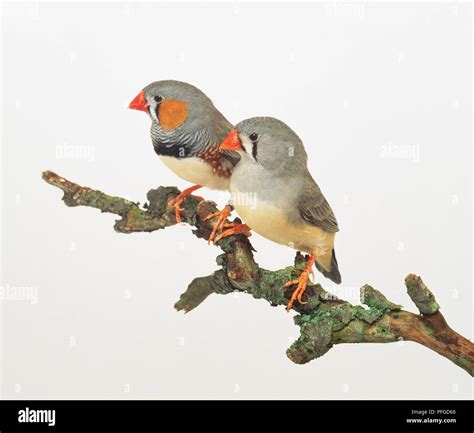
<point x="324" y="320"/>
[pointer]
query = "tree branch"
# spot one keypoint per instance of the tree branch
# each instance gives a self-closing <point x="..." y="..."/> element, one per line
<point x="324" y="320"/>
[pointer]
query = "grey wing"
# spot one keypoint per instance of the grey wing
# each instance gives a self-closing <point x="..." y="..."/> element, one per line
<point x="314" y="208"/>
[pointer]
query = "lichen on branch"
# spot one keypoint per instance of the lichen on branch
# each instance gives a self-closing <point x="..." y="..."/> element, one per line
<point x="324" y="320"/>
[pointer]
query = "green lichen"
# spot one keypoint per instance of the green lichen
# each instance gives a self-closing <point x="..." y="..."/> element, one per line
<point x="369" y="315"/>
<point x="247" y="267"/>
<point x="374" y="299"/>
<point x="421" y="295"/>
<point x="198" y="290"/>
<point x="337" y="316"/>
<point x="221" y="283"/>
<point x="220" y="259"/>
<point x="354" y="332"/>
<point x="314" y="341"/>
<point x="464" y="363"/>
<point x="226" y="244"/>
<point x="382" y="332"/>
<point x="98" y="200"/>
<point x="190" y="206"/>
<point x="271" y="286"/>
<point x="316" y="331"/>
<point x="136" y="219"/>
<point x="324" y="320"/>
<point x="158" y="198"/>
<point x="320" y="328"/>
<point x="312" y="302"/>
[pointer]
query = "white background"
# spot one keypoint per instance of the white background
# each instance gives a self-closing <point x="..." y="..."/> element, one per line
<point x="379" y="93"/>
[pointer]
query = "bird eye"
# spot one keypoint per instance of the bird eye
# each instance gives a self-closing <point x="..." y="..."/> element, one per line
<point x="158" y="98"/>
<point x="253" y="137"/>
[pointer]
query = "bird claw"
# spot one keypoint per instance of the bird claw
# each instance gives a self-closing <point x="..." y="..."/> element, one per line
<point x="176" y="201"/>
<point x="236" y="229"/>
<point x="291" y="283"/>
<point x="212" y="215"/>
<point x="302" y="282"/>
<point x="177" y="210"/>
<point x="300" y="294"/>
<point x="220" y="223"/>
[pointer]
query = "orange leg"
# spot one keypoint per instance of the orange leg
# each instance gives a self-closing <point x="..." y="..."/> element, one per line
<point x="301" y="283"/>
<point x="176" y="202"/>
<point x="234" y="230"/>
<point x="221" y="220"/>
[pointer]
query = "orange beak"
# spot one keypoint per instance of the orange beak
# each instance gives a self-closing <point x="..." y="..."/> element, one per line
<point x="231" y="142"/>
<point x="139" y="102"/>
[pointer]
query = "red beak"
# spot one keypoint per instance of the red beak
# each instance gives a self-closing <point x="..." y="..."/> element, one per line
<point x="139" y="102"/>
<point x="231" y="142"/>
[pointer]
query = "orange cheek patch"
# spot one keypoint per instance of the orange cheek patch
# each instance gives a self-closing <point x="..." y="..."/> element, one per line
<point x="172" y="113"/>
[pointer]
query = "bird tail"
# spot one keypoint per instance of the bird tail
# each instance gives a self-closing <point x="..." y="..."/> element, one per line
<point x="333" y="274"/>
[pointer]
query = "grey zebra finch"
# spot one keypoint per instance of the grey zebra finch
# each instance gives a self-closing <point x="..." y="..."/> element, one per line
<point x="186" y="131"/>
<point x="292" y="210"/>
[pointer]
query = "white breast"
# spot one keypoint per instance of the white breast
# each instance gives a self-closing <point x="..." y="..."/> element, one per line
<point x="272" y="223"/>
<point x="196" y="171"/>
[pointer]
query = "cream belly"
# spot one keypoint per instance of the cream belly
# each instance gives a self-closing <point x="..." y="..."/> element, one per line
<point x="271" y="223"/>
<point x="196" y="171"/>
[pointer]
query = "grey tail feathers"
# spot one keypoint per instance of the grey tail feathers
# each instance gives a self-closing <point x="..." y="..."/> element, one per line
<point x="334" y="275"/>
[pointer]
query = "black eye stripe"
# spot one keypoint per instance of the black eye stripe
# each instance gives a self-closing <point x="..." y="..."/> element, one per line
<point x="254" y="150"/>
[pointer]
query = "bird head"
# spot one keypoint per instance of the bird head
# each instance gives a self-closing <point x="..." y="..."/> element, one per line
<point x="179" y="112"/>
<point x="266" y="141"/>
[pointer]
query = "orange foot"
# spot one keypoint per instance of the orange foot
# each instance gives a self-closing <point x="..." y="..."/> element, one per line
<point x="221" y="220"/>
<point x="301" y="282"/>
<point x="234" y="229"/>
<point x="176" y="202"/>
<point x="222" y="223"/>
